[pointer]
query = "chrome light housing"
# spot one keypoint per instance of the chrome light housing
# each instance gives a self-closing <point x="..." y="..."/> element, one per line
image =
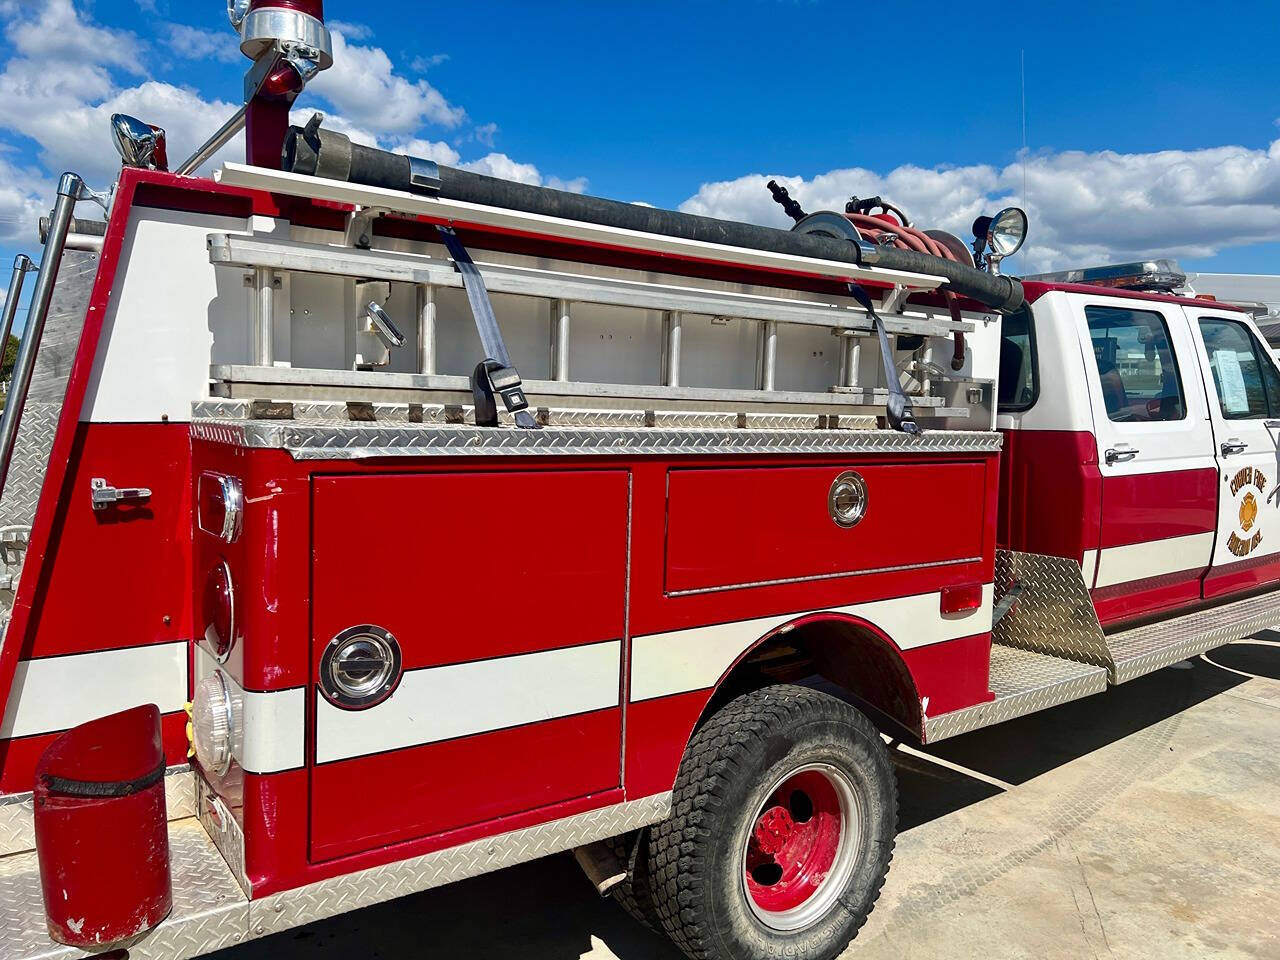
<point x="220" y="611"/>
<point x="360" y="667"/>
<point x="139" y="144"/>
<point x="212" y="719"/>
<point x="995" y="238"/>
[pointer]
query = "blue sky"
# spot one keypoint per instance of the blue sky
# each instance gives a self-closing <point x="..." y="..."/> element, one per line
<point x="1152" y="129"/>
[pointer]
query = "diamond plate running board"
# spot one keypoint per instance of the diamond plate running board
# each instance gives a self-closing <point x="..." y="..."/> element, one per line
<point x="1141" y="650"/>
<point x="1023" y="682"/>
<point x="211" y="912"/>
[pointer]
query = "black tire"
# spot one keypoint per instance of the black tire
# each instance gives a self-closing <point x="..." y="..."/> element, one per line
<point x="635" y="894"/>
<point x="734" y="765"/>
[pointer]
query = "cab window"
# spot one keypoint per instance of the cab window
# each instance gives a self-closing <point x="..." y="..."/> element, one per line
<point x="1018" y="386"/>
<point x="1244" y="377"/>
<point x="1139" y="375"/>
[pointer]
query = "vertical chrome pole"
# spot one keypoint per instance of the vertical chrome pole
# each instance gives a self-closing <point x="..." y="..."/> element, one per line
<point x="265" y="331"/>
<point x="560" y="319"/>
<point x="21" y="264"/>
<point x="426" y="328"/>
<point x="850" y="358"/>
<point x="768" y="354"/>
<point x="70" y="188"/>
<point x="671" y="323"/>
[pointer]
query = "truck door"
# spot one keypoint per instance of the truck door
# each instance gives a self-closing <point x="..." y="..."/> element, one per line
<point x="1155" y="454"/>
<point x="1244" y="404"/>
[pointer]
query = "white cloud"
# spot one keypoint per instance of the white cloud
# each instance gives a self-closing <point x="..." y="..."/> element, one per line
<point x="363" y="83"/>
<point x="194" y="43"/>
<point x="421" y="64"/>
<point x="352" y="31"/>
<point x="57" y="31"/>
<point x="1084" y="207"/>
<point x="60" y="95"/>
<point x="485" y="132"/>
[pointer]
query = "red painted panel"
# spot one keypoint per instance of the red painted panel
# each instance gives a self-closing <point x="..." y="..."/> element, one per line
<point x="276" y="825"/>
<point x="270" y="566"/>
<point x="152" y="539"/>
<point x="1244" y="576"/>
<point x="1157" y="506"/>
<point x="1050" y="492"/>
<point x="657" y="731"/>
<point x="1122" y="602"/>
<point x="442" y="786"/>
<point x="18" y="757"/>
<point x="952" y="675"/>
<point x="737" y="526"/>
<point x="464" y="566"/>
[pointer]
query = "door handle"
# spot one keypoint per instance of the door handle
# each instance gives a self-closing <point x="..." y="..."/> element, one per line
<point x="1121" y="453"/>
<point x="102" y="495"/>
<point x="1232" y="445"/>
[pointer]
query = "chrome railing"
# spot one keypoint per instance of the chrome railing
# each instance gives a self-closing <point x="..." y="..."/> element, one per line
<point x="70" y="190"/>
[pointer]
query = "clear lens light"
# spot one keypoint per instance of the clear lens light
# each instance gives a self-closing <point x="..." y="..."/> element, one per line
<point x="236" y="12"/>
<point x="211" y="724"/>
<point x="1008" y="231"/>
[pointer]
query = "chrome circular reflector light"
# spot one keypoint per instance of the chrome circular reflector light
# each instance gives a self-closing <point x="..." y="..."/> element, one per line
<point x="211" y="721"/>
<point x="220" y="611"/>
<point x="847" y="501"/>
<point x="1007" y="232"/>
<point x="360" y="667"/>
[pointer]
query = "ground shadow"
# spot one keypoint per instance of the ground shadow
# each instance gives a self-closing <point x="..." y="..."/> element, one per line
<point x="545" y="910"/>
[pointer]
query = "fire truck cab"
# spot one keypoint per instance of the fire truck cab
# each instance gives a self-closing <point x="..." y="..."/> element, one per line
<point x="370" y="524"/>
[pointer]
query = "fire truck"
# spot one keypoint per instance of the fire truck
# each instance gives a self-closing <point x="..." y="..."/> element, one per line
<point x="370" y="524"/>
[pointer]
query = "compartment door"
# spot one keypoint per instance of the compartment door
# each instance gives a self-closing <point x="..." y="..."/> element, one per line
<point x="505" y="592"/>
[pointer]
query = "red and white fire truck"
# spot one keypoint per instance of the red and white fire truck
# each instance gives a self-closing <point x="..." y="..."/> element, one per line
<point x="370" y="524"/>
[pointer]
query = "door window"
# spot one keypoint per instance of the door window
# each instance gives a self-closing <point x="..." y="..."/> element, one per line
<point x="1135" y="361"/>
<point x="1018" y="385"/>
<point x="1246" y="380"/>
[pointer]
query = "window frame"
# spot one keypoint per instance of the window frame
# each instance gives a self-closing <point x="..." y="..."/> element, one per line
<point x="1273" y="403"/>
<point x="1033" y="358"/>
<point x="1173" y="355"/>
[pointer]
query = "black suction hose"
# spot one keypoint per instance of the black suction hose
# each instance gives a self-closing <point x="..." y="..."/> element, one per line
<point x="325" y="153"/>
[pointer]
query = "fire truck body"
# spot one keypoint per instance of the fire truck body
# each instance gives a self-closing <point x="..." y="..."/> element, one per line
<point x="255" y="470"/>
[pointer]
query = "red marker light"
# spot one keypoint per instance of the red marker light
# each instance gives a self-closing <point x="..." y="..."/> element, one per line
<point x="960" y="599"/>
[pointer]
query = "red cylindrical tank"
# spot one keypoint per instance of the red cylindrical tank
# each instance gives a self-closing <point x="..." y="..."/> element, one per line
<point x="102" y="830"/>
<point x="313" y="7"/>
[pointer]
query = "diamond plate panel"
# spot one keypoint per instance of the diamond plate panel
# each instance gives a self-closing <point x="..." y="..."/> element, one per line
<point x="1143" y="649"/>
<point x="309" y="441"/>
<point x="209" y="911"/>
<point x="17" y="830"/>
<point x="328" y="897"/>
<point x="48" y="385"/>
<point x="1023" y="682"/>
<point x="1053" y="614"/>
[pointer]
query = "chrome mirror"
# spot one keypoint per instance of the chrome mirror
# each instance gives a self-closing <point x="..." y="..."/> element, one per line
<point x="140" y="144"/>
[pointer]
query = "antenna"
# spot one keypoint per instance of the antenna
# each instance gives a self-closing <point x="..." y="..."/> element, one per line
<point x="1022" y="64"/>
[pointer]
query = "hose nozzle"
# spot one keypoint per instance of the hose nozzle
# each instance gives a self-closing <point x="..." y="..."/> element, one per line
<point x="792" y="208"/>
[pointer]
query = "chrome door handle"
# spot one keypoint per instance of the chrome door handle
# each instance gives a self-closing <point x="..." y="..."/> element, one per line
<point x="1121" y="453"/>
<point x="1232" y="445"/>
<point x="103" y="495"/>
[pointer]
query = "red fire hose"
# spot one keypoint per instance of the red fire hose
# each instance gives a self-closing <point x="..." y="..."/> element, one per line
<point x="879" y="227"/>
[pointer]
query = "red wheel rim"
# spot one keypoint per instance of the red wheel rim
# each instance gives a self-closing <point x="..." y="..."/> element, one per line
<point x="798" y="851"/>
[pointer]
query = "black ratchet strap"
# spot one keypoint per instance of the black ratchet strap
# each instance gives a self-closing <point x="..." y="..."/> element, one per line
<point x="495" y="374"/>
<point x="900" y="416"/>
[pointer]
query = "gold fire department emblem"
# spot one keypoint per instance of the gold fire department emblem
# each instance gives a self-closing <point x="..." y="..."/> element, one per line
<point x="1248" y="484"/>
<point x="1248" y="512"/>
